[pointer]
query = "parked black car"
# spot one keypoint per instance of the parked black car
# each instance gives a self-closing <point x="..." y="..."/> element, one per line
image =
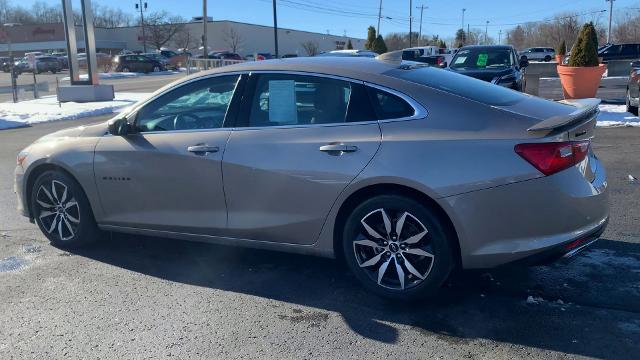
<point x="620" y="52"/>
<point x="633" y="89"/>
<point x="48" y="63"/>
<point x="498" y="64"/>
<point x="136" y="63"/>
<point x="5" y="64"/>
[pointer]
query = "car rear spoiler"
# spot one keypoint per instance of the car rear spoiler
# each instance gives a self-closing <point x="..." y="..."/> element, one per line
<point x="585" y="109"/>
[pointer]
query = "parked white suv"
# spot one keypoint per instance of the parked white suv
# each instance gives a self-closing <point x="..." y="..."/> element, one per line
<point x="539" y="53"/>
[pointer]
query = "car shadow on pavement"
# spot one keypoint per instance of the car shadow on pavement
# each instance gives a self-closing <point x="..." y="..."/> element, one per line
<point x="572" y="307"/>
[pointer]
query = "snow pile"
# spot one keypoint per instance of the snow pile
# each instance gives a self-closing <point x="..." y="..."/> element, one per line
<point x="126" y="75"/>
<point x="46" y="109"/>
<point x="616" y="115"/>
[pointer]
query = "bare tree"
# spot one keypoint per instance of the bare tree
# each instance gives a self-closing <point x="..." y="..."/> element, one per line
<point x="185" y="40"/>
<point x="312" y="48"/>
<point x="233" y="39"/>
<point x="160" y="28"/>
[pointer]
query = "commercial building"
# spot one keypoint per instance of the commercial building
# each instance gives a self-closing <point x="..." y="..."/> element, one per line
<point x="221" y="35"/>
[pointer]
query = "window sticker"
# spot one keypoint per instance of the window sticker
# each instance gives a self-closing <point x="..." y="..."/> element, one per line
<point x="482" y="60"/>
<point x="282" y="102"/>
<point x="460" y="60"/>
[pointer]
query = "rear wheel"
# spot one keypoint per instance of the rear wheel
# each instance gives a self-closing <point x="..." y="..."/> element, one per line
<point x="630" y="108"/>
<point x="547" y="58"/>
<point x="397" y="247"/>
<point x="62" y="211"/>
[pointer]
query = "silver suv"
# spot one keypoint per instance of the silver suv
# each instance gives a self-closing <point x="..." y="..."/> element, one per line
<point x="539" y="53"/>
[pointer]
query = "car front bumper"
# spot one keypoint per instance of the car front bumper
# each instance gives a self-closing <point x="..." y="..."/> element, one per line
<point x="18" y="189"/>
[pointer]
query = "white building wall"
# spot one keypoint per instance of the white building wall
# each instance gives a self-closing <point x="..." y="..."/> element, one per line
<point x="254" y="38"/>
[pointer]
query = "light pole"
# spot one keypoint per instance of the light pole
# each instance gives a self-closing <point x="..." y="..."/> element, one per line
<point x="610" y="17"/>
<point x="500" y="37"/>
<point x="205" y="47"/>
<point x="144" y="39"/>
<point x="464" y="36"/>
<point x="486" y="32"/>
<point x="421" y="7"/>
<point x="275" y="27"/>
<point x="14" y="85"/>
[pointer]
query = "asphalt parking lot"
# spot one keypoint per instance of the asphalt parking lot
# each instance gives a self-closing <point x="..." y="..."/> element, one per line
<point x="135" y="297"/>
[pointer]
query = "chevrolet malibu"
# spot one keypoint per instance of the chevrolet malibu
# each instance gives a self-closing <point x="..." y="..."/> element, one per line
<point x="403" y="171"/>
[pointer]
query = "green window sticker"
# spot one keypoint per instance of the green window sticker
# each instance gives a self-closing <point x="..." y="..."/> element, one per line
<point x="482" y="60"/>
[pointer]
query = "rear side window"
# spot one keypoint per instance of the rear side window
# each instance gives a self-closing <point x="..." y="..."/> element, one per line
<point x="457" y="84"/>
<point x="389" y="106"/>
<point x="287" y="99"/>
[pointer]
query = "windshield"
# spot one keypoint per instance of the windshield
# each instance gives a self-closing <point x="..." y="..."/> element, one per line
<point x="482" y="58"/>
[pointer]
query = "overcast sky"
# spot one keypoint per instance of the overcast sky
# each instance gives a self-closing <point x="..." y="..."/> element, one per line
<point x="354" y="16"/>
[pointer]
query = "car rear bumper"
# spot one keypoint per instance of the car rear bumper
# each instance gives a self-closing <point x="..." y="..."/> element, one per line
<point x="534" y="219"/>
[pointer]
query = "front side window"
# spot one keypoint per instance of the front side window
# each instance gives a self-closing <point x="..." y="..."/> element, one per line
<point x="285" y="99"/>
<point x="199" y="105"/>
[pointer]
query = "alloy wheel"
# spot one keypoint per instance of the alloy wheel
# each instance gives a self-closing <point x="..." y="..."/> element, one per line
<point x="57" y="210"/>
<point x="393" y="249"/>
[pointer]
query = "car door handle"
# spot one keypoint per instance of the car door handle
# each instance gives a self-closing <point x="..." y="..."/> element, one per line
<point x="338" y="148"/>
<point x="202" y="149"/>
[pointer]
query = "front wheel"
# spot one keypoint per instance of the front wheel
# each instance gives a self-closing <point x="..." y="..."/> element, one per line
<point x="397" y="247"/>
<point x="62" y="210"/>
<point x="547" y="58"/>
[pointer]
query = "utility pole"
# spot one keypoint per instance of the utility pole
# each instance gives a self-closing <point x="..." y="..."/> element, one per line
<point x="468" y="31"/>
<point x="410" y="21"/>
<point x="275" y="27"/>
<point x="421" y="7"/>
<point x="144" y="39"/>
<point x="610" y="17"/>
<point x="205" y="48"/>
<point x="486" y="32"/>
<point x="500" y="37"/>
<point x="464" y="36"/>
<point x="379" y="17"/>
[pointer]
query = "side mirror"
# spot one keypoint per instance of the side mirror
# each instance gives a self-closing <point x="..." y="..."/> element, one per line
<point x="119" y="127"/>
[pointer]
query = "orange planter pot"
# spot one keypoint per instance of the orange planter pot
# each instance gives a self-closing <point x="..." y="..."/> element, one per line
<point x="559" y="58"/>
<point x="580" y="82"/>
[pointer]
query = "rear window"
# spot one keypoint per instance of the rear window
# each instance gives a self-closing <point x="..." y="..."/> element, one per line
<point x="458" y="84"/>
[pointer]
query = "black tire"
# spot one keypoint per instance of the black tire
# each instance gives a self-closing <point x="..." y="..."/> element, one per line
<point x="630" y="108"/>
<point x="54" y="71"/>
<point x="547" y="58"/>
<point x="72" y="227"/>
<point x="434" y="270"/>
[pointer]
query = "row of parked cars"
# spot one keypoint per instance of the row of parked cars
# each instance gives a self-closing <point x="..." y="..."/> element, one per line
<point x="607" y="52"/>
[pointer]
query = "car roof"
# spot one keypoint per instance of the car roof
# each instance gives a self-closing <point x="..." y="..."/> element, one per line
<point x="357" y="68"/>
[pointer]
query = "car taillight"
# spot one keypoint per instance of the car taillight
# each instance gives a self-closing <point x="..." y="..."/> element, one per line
<point x="550" y="158"/>
<point x="439" y="61"/>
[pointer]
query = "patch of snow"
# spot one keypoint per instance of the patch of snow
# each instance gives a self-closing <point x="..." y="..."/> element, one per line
<point x="127" y="75"/>
<point x="113" y="75"/>
<point x="47" y="109"/>
<point x="616" y="116"/>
